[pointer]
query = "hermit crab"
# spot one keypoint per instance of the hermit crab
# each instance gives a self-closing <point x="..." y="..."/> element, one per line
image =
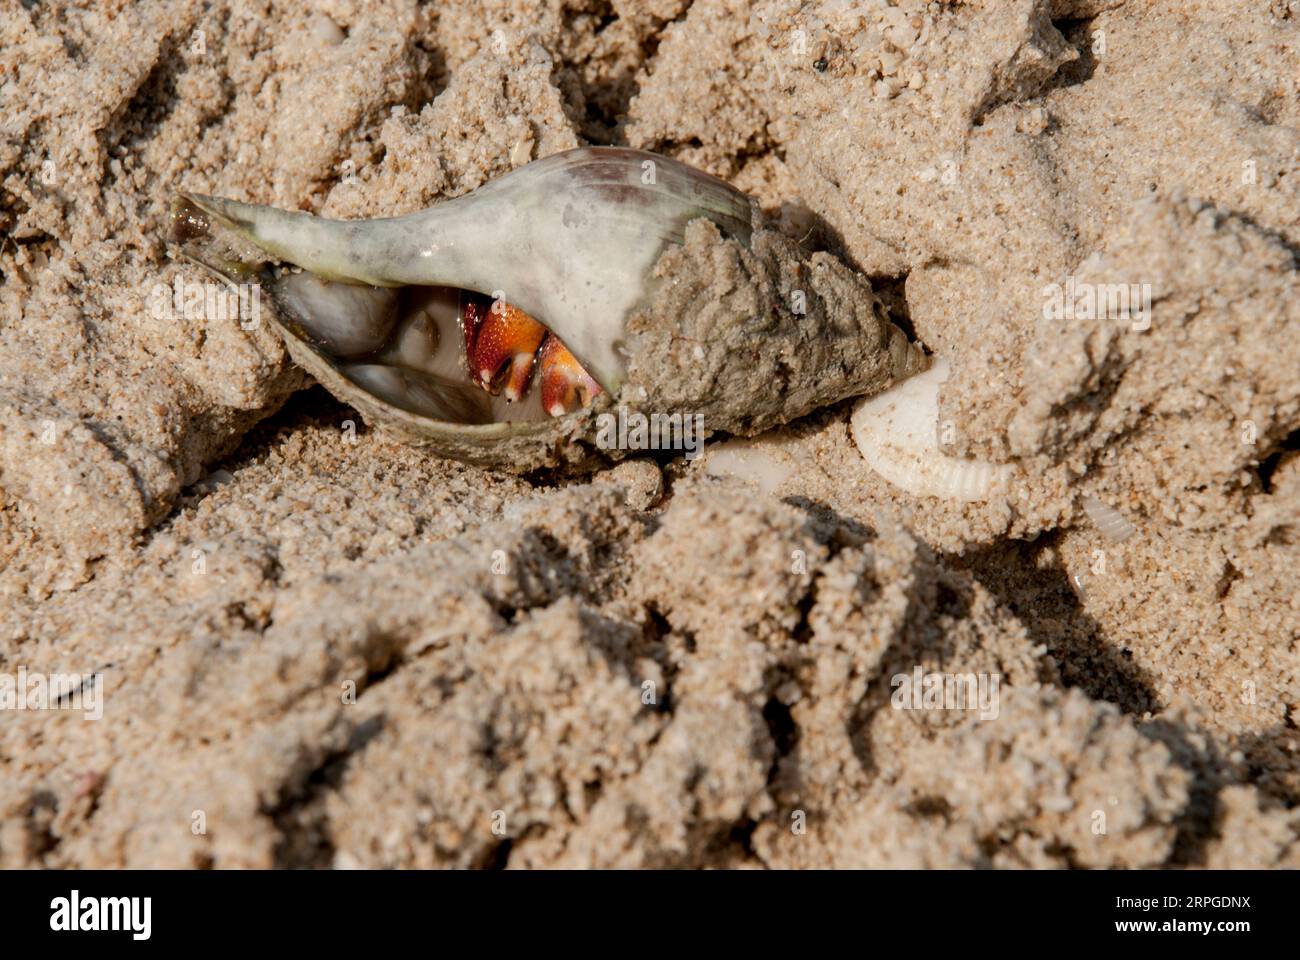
<point x="501" y="326"/>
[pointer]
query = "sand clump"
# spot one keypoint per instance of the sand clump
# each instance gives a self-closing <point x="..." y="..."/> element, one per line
<point x="323" y="648"/>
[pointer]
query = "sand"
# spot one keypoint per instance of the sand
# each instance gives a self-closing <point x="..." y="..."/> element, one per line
<point x="323" y="647"/>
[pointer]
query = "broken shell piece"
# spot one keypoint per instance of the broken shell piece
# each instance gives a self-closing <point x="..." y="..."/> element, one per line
<point x="764" y="463"/>
<point x="1112" y="524"/>
<point x="897" y="433"/>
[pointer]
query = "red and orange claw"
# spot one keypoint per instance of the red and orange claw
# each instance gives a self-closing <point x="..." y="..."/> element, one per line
<point x="566" y="386"/>
<point x="504" y="348"/>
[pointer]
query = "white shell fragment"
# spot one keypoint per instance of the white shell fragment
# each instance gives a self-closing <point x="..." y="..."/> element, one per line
<point x="897" y="433"/>
<point x="1112" y="524"/>
<point x="761" y="463"/>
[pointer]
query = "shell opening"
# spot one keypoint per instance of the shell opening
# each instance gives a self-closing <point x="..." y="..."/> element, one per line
<point x="439" y="352"/>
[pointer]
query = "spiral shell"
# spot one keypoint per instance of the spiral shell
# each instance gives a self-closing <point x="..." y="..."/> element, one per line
<point x="897" y="433"/>
<point x="656" y="288"/>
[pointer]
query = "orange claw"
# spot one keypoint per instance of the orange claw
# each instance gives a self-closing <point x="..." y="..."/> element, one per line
<point x="566" y="386"/>
<point x="501" y="345"/>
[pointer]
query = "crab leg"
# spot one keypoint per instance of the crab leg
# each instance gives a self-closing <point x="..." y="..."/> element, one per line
<point x="503" y="346"/>
<point x="503" y="349"/>
<point x="565" y="385"/>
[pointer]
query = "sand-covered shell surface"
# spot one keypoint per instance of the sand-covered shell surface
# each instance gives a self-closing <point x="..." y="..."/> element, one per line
<point x="511" y="327"/>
